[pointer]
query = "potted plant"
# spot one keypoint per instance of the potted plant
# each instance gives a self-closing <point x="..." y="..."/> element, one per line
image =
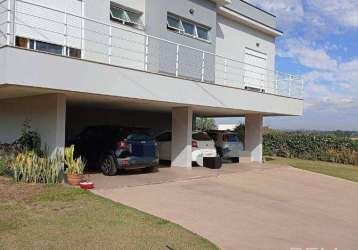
<point x="75" y="167"/>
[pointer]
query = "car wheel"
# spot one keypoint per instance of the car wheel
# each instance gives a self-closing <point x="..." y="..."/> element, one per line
<point x="150" y="169"/>
<point x="235" y="159"/>
<point x="108" y="166"/>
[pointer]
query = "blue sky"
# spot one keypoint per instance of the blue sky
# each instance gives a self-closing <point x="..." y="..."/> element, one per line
<point x="320" y="42"/>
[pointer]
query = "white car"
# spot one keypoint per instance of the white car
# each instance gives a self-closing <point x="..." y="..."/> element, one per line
<point x="202" y="146"/>
<point x="228" y="144"/>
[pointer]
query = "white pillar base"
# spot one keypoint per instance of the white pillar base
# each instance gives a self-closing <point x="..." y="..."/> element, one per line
<point x="253" y="136"/>
<point x="182" y="122"/>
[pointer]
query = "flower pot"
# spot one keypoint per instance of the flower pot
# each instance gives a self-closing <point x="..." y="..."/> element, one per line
<point x="74" y="179"/>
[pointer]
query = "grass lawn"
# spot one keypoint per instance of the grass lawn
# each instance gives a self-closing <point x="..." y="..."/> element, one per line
<point x="58" y="217"/>
<point x="348" y="172"/>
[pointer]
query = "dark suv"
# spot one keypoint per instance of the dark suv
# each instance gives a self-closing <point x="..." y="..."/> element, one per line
<point x="114" y="148"/>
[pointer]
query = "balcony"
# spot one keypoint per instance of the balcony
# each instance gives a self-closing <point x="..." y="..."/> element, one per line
<point x="69" y="34"/>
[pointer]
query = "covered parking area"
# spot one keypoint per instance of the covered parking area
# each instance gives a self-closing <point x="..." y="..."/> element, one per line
<point x="58" y="116"/>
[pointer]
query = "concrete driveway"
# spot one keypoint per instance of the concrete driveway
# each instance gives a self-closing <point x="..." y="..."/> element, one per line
<point x="251" y="206"/>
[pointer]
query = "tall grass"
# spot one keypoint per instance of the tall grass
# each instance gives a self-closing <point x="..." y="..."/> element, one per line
<point x="31" y="168"/>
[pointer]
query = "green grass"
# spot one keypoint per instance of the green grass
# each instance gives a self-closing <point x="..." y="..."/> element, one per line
<point x="348" y="172"/>
<point x="58" y="217"/>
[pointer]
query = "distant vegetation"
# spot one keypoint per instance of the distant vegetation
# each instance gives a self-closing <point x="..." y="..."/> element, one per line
<point x="331" y="146"/>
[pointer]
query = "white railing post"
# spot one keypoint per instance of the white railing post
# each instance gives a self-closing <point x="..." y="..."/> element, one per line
<point x="110" y="44"/>
<point x="13" y="35"/>
<point x="8" y="25"/>
<point x="289" y="85"/>
<point x="203" y="67"/>
<point x="65" y="41"/>
<point x="276" y="82"/>
<point x="302" y="88"/>
<point x="146" y="59"/>
<point x="83" y="29"/>
<point x="225" y="70"/>
<point x="177" y="62"/>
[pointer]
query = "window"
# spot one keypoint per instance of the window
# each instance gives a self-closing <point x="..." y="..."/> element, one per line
<point x="72" y="52"/>
<point x="186" y="27"/>
<point x="49" y="47"/>
<point x="26" y="43"/>
<point x="126" y="17"/>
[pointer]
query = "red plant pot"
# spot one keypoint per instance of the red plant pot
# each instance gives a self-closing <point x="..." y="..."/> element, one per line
<point x="87" y="185"/>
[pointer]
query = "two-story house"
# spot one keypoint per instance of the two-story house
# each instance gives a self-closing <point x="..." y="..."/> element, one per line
<point x="68" y="64"/>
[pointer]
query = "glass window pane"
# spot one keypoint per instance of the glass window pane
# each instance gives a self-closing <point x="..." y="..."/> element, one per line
<point x="188" y="28"/>
<point x="134" y="17"/>
<point x="48" y="47"/>
<point x="119" y="14"/>
<point x="203" y="33"/>
<point x="174" y="22"/>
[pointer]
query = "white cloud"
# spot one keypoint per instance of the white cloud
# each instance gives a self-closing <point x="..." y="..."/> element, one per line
<point x="308" y="56"/>
<point x="344" y="12"/>
<point x="288" y="12"/>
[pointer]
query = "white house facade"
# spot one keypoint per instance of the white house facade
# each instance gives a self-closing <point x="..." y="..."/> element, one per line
<point x="69" y="64"/>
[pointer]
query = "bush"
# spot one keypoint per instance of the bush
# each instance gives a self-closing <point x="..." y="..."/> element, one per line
<point x="311" y="147"/>
<point x="30" y="140"/>
<point x="29" y="167"/>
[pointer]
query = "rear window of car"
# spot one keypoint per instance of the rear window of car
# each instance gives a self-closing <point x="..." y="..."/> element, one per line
<point x="201" y="137"/>
<point x="231" y="138"/>
<point x="138" y="137"/>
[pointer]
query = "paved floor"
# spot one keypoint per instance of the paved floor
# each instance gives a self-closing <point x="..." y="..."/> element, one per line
<point x="247" y="207"/>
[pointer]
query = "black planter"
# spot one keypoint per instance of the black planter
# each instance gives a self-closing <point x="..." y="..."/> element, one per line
<point x="212" y="162"/>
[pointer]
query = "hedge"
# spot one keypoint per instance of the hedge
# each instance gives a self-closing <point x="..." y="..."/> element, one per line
<point x="311" y="147"/>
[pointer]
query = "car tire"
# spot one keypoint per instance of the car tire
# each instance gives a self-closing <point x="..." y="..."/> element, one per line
<point x="235" y="159"/>
<point x="108" y="166"/>
<point x="150" y="169"/>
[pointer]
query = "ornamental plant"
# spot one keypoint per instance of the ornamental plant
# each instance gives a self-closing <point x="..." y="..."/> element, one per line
<point x="74" y="166"/>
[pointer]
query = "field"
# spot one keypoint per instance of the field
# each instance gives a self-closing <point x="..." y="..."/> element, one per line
<point x="348" y="172"/>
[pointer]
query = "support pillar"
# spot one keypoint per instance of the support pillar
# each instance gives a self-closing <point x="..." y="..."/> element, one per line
<point x="182" y="124"/>
<point x="253" y="136"/>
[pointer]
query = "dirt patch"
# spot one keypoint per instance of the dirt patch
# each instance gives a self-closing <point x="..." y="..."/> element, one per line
<point x="11" y="192"/>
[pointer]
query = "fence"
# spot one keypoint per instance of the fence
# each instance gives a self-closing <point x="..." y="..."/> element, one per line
<point x="121" y="46"/>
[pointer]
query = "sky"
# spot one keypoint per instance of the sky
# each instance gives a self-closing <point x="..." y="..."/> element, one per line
<point x="320" y="43"/>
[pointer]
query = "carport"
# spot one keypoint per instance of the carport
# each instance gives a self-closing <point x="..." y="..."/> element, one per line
<point x="58" y="116"/>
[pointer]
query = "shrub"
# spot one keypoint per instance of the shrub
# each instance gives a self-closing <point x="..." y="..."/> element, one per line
<point x="29" y="167"/>
<point x="30" y="140"/>
<point x="311" y="147"/>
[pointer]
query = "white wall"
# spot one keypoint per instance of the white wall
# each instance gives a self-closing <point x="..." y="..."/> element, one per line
<point x="182" y="122"/>
<point x="253" y="136"/>
<point x="50" y="27"/>
<point x="232" y="38"/>
<point x="88" y="77"/>
<point x="46" y="113"/>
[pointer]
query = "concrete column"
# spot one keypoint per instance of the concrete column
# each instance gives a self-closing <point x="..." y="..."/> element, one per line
<point x="253" y="136"/>
<point x="46" y="114"/>
<point x="182" y="122"/>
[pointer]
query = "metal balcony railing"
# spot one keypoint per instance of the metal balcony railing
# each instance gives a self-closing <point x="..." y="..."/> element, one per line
<point x="62" y="31"/>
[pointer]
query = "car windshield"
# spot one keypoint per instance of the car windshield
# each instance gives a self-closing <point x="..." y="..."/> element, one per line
<point x="201" y="136"/>
<point x="138" y="137"/>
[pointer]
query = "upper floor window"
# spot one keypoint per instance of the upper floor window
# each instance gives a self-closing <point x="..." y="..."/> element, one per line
<point x="183" y="26"/>
<point x="125" y="16"/>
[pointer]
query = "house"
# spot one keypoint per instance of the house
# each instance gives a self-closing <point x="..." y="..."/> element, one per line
<point x="68" y="64"/>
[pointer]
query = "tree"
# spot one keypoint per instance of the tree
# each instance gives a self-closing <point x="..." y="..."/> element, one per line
<point x="205" y="123"/>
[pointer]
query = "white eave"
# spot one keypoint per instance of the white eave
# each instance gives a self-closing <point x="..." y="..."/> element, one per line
<point x="221" y="2"/>
<point x="248" y="21"/>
